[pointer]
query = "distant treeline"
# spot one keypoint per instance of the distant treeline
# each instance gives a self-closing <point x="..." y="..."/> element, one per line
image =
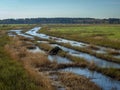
<point x="61" y="21"/>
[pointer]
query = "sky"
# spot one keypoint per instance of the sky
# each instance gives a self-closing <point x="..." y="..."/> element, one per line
<point x="59" y="8"/>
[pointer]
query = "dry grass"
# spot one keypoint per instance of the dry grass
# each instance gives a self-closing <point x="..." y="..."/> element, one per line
<point x="44" y="46"/>
<point x="75" y="82"/>
<point x="2" y="32"/>
<point x="38" y="77"/>
<point x="113" y="52"/>
<point x="36" y="59"/>
<point x="17" y="50"/>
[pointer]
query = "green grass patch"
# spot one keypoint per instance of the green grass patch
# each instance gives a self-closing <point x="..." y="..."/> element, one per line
<point x="16" y="26"/>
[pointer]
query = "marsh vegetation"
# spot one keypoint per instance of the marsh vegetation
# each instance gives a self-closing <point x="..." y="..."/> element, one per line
<point x="28" y="61"/>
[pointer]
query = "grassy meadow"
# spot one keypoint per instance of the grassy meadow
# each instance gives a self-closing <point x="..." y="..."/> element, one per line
<point x="104" y="35"/>
<point x="5" y="27"/>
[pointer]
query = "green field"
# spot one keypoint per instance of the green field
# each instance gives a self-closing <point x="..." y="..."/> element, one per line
<point x="15" y="26"/>
<point x="104" y="35"/>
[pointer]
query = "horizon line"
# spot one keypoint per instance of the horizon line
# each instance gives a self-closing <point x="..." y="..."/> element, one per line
<point x="59" y="17"/>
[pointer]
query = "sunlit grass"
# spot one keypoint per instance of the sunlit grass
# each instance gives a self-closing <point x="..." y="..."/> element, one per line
<point x="104" y="35"/>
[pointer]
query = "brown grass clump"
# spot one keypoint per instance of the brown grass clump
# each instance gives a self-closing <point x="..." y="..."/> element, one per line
<point x="36" y="59"/>
<point x="75" y="82"/>
<point x="45" y="46"/>
<point x="16" y="52"/>
<point x="2" y="32"/>
<point x="39" y="78"/>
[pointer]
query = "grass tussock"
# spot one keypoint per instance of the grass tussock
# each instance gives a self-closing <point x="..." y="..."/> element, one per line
<point x="36" y="59"/>
<point x="75" y="82"/>
<point x="45" y="46"/>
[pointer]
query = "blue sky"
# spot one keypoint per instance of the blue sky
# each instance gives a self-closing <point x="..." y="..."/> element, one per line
<point x="59" y="8"/>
